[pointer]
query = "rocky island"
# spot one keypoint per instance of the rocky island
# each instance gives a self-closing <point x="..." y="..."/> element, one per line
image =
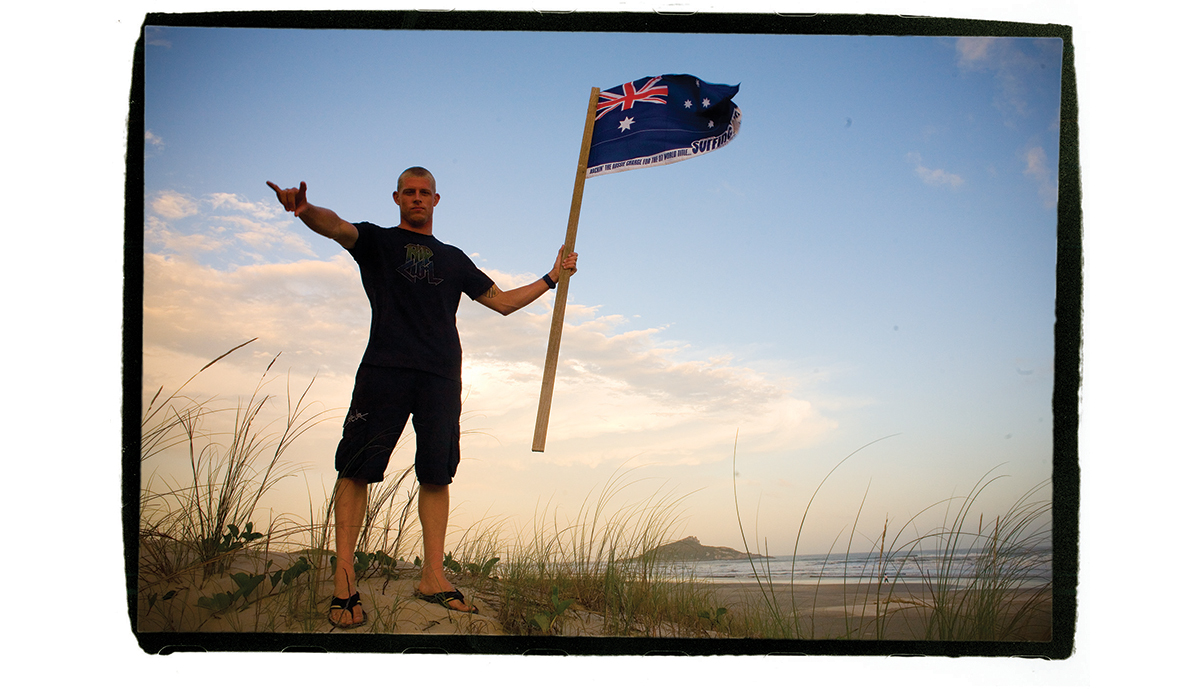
<point x="690" y="549"/>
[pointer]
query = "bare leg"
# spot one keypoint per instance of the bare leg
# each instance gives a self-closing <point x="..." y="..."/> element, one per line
<point x="349" y="509"/>
<point x="433" y="508"/>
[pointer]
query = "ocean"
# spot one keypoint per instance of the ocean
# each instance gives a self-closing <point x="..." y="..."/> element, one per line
<point x="1031" y="569"/>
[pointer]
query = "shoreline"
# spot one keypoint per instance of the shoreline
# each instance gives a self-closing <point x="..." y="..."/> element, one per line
<point x="905" y="583"/>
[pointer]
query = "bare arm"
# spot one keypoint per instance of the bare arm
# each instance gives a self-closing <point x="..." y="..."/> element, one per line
<point x="323" y="221"/>
<point x="506" y="302"/>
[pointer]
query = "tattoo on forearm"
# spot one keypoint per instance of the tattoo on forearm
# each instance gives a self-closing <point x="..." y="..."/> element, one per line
<point x="492" y="292"/>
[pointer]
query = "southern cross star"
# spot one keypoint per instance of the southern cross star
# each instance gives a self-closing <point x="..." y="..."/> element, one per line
<point x="687" y="104"/>
<point x="705" y="103"/>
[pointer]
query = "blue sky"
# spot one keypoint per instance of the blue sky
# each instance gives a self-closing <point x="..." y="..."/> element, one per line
<point x="873" y="255"/>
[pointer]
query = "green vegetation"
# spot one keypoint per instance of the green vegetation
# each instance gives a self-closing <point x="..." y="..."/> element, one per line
<point x="602" y="562"/>
<point x="211" y="559"/>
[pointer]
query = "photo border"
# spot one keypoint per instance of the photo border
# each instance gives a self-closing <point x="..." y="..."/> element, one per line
<point x="1067" y="334"/>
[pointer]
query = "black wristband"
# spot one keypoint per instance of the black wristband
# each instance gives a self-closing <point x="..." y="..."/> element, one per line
<point x="549" y="282"/>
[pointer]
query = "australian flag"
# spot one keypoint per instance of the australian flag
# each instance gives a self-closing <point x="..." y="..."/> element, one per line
<point x="660" y="120"/>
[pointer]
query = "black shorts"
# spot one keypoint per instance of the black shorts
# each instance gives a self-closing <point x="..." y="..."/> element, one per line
<point x="383" y="399"/>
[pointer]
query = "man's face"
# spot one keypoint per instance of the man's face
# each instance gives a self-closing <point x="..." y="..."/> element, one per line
<point x="416" y="199"/>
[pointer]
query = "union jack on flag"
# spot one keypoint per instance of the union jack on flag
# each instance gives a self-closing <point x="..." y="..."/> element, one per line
<point x="631" y="95"/>
<point x="661" y="120"/>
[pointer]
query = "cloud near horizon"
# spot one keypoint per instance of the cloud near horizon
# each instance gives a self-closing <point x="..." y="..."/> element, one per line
<point x="619" y="394"/>
<point x="622" y="394"/>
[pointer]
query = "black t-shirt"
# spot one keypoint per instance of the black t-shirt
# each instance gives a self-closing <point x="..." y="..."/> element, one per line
<point x="414" y="283"/>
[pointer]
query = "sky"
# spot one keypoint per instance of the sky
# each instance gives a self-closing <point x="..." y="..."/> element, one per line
<point x="872" y="258"/>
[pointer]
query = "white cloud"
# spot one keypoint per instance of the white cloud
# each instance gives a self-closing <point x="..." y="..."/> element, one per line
<point x="1037" y="168"/>
<point x="934" y="177"/>
<point x="161" y="234"/>
<point x="252" y="229"/>
<point x="973" y="50"/>
<point x="257" y="237"/>
<point x="1004" y="58"/>
<point x="154" y="37"/>
<point x="1035" y="163"/>
<point x="619" y="394"/>
<point x="258" y="209"/>
<point x="313" y="310"/>
<point x="174" y="206"/>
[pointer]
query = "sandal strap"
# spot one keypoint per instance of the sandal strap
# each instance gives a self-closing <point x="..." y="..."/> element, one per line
<point x="346" y="603"/>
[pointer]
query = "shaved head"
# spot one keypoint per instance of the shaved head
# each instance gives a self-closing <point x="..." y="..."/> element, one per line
<point x="418" y="172"/>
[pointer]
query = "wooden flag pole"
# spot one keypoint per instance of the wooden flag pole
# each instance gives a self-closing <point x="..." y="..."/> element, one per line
<point x="560" y="297"/>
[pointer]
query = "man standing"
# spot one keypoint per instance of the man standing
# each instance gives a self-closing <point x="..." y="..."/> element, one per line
<point x="412" y="366"/>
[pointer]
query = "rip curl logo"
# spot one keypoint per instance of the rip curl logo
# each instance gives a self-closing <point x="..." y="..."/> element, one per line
<point x="418" y="264"/>
<point x="355" y="417"/>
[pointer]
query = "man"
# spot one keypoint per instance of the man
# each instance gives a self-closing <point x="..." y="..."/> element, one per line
<point x="412" y="366"/>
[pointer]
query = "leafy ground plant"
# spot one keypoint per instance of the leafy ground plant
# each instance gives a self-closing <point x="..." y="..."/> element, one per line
<point x="545" y="620"/>
<point x="248" y="583"/>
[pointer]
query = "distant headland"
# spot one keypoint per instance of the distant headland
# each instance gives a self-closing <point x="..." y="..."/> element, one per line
<point x="690" y="549"/>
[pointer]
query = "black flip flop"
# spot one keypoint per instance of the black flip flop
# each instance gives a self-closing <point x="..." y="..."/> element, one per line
<point x="346" y="604"/>
<point x="445" y="597"/>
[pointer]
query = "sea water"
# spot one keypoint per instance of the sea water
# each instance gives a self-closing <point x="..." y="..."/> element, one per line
<point x="1032" y="568"/>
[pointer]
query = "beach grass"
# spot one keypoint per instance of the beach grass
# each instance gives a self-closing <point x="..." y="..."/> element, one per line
<point x="981" y="584"/>
<point x="211" y="559"/>
<point x="601" y="561"/>
<point x="204" y="524"/>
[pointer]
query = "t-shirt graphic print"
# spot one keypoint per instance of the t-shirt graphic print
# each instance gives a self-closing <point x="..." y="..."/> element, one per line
<point x="414" y="283"/>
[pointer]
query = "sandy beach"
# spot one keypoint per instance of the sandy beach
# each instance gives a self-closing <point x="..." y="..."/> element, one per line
<point x="831" y="610"/>
<point x="835" y="610"/>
